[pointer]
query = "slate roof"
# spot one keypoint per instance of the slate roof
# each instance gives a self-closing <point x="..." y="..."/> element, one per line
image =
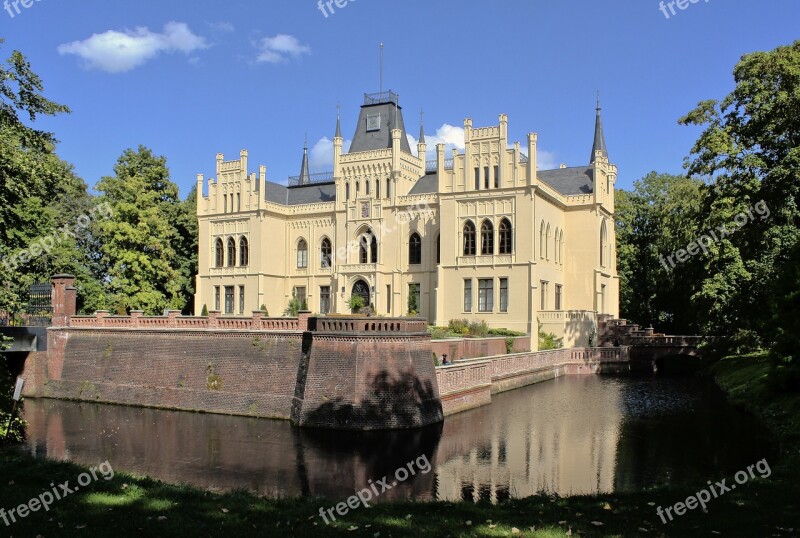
<point x="307" y="194"/>
<point x="569" y="181"/>
<point x="365" y="140"/>
<point x="427" y="184"/>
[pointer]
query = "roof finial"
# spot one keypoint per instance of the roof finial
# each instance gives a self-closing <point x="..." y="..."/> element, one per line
<point x="381" y="75"/>
<point x="421" y="126"/>
<point x="338" y="122"/>
<point x="305" y="176"/>
<point x="599" y="138"/>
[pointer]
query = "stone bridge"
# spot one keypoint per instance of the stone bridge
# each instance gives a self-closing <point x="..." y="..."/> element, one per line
<point x="651" y="351"/>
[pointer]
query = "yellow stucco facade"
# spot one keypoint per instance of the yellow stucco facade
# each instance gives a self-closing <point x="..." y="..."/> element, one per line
<point x="477" y="234"/>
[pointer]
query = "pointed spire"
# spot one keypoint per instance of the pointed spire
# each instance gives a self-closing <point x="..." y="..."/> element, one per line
<point x="599" y="137"/>
<point x="421" y="126"/>
<point x="305" y="177"/>
<point x="338" y="122"/>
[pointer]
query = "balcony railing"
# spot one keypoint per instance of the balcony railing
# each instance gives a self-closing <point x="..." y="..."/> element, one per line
<point x="379" y="98"/>
<point x="433" y="166"/>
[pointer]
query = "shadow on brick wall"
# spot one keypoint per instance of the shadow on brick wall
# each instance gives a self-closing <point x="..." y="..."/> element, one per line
<point x="393" y="403"/>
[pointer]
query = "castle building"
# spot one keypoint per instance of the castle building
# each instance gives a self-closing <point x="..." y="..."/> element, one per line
<point x="480" y="234"/>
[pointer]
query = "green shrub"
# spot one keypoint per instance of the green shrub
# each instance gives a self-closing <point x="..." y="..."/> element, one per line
<point x="549" y="340"/>
<point x="356" y="303"/>
<point x="459" y="326"/>
<point x="505" y="332"/>
<point x="478" y="329"/>
<point x="204" y="312"/>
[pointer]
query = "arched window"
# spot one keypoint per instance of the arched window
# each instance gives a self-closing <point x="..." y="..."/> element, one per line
<point x="603" y="244"/>
<point x="302" y="254"/>
<point x="374" y="249"/>
<point x="377" y="188"/>
<point x="541" y="241"/>
<point x="219" y="253"/>
<point x="415" y="249"/>
<point x="366" y="187"/>
<point x="325" y="252"/>
<point x="547" y="242"/>
<point x="561" y="247"/>
<point x="363" y="249"/>
<point x="506" y="243"/>
<point x="358" y="188"/>
<point x="469" y="239"/>
<point x="231" y="252"/>
<point x="487" y="238"/>
<point x="347" y="191"/>
<point x="555" y="246"/>
<point x="244" y="252"/>
<point x="367" y="247"/>
<point x="388" y="188"/>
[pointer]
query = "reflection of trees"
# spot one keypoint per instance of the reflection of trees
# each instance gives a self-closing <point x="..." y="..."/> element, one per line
<point x="704" y="438"/>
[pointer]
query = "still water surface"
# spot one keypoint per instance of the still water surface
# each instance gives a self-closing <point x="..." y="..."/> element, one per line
<point x="568" y="436"/>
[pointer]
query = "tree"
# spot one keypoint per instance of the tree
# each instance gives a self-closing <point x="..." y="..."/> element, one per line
<point x="41" y="199"/>
<point x="654" y="221"/>
<point x="749" y="152"/>
<point x="356" y="303"/>
<point x="413" y="304"/>
<point x="145" y="246"/>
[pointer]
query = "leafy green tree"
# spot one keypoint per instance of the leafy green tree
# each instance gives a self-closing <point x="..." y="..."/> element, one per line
<point x="40" y="197"/>
<point x="356" y="303"/>
<point x="413" y="304"/>
<point x="654" y="220"/>
<point x="749" y="152"/>
<point x="145" y="246"/>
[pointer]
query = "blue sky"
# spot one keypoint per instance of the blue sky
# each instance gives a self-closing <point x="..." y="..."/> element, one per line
<point x="201" y="77"/>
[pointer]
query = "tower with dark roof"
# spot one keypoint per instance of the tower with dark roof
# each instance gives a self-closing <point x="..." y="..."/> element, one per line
<point x="599" y="137"/>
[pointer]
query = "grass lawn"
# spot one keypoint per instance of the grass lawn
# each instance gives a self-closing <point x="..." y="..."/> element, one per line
<point x="132" y="506"/>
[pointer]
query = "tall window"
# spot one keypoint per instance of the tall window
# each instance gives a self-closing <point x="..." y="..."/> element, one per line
<point x="244" y="252"/>
<point x="324" y="299"/>
<point x="363" y="249"/>
<point x="414" y="289"/>
<point x="438" y="249"/>
<point x="377" y="188"/>
<point x="219" y="254"/>
<point x="216" y="298"/>
<point x="487" y="238"/>
<point x="325" y="252"/>
<point x="388" y="188"/>
<point x="561" y="247"/>
<point x="602" y="298"/>
<point x="503" y="295"/>
<point x="541" y="241"/>
<point x="366" y="187"/>
<point x="238" y="202"/>
<point x="347" y="191"/>
<point x="224" y="203"/>
<point x="486" y="177"/>
<point x="415" y="249"/>
<point x="477" y="178"/>
<point x="241" y="299"/>
<point x="485" y="295"/>
<point x="469" y="239"/>
<point x="300" y="293"/>
<point x="547" y="242"/>
<point x="559" y="296"/>
<point x="543" y="305"/>
<point x="603" y="244"/>
<point x="505" y="237"/>
<point x="496" y="177"/>
<point x="302" y="254"/>
<point x="229" y="299"/>
<point x="555" y="246"/>
<point x="467" y="295"/>
<point x="388" y="298"/>
<point x="231" y="252"/>
<point x="358" y="188"/>
<point x="374" y="249"/>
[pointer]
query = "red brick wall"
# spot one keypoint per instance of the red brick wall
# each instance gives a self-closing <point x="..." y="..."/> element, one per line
<point x="473" y="348"/>
<point x="366" y="382"/>
<point x="223" y="372"/>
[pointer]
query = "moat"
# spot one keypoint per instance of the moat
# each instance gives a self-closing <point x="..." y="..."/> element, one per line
<point x="572" y="435"/>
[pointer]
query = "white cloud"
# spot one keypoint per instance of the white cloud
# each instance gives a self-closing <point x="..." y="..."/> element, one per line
<point x="320" y="156"/>
<point x="118" y="52"/>
<point x="222" y="26"/>
<point x="449" y="135"/>
<point x="280" y="48"/>
<point x="546" y="160"/>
